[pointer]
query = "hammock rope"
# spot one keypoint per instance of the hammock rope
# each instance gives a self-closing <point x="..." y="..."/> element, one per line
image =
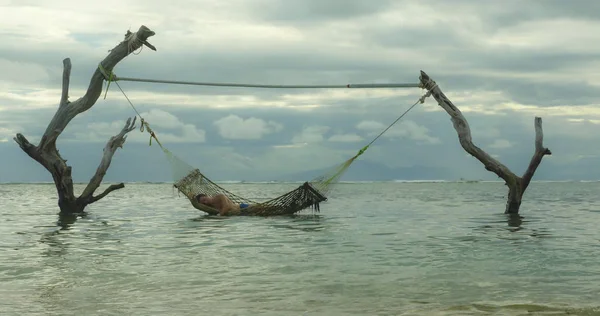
<point x="191" y="181"/>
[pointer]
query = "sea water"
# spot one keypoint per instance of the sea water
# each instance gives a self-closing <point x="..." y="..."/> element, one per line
<point x="374" y="249"/>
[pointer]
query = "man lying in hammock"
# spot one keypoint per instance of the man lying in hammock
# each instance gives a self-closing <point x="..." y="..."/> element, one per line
<point x="221" y="203"/>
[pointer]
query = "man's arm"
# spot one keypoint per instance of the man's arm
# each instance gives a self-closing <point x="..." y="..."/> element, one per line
<point x="226" y="205"/>
<point x="199" y="205"/>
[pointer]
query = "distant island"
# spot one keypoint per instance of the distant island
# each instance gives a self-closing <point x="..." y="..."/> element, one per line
<point x="364" y="170"/>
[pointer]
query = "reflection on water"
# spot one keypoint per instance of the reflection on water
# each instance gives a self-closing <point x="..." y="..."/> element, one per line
<point x="518" y="309"/>
<point x="514" y="221"/>
<point x="376" y="249"/>
<point x="497" y="225"/>
<point x="65" y="220"/>
<point x="203" y="218"/>
<point x="56" y="247"/>
<point x="306" y="223"/>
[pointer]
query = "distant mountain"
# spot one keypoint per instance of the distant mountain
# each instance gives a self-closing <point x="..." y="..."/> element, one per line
<point x="585" y="169"/>
<point x="362" y="170"/>
<point x="141" y="163"/>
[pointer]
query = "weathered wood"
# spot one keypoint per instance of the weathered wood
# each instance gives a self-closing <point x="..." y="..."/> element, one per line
<point x="46" y="152"/>
<point x="540" y="152"/>
<point x="517" y="185"/>
<point x="65" y="82"/>
<point x="111" y="147"/>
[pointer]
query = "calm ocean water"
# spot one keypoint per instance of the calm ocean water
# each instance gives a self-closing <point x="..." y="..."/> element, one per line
<point x="375" y="249"/>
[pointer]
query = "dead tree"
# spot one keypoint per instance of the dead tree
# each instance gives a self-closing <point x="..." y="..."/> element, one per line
<point x="46" y="152"/>
<point x="516" y="185"/>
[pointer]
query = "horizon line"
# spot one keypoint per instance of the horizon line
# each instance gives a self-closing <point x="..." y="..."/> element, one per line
<point x="302" y="181"/>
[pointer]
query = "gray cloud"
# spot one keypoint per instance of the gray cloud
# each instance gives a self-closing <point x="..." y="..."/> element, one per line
<point x="311" y="11"/>
<point x="258" y="156"/>
<point x="501" y="65"/>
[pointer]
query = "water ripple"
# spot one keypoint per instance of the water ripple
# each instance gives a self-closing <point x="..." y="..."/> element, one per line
<point x="381" y="248"/>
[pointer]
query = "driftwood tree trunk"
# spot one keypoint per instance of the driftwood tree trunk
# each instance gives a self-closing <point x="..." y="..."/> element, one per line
<point x="516" y="185"/>
<point x="46" y="152"/>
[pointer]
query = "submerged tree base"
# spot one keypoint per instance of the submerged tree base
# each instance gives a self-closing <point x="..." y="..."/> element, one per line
<point x="50" y="158"/>
<point x="46" y="152"/>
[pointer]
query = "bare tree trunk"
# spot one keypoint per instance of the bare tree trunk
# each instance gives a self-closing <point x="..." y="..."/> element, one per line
<point x="516" y="185"/>
<point x="46" y="152"/>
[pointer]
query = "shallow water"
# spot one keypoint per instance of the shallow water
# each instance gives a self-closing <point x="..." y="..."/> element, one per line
<point x="375" y="249"/>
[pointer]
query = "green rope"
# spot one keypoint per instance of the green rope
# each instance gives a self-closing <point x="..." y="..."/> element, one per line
<point x="421" y="100"/>
<point x="110" y="76"/>
<point x="347" y="164"/>
<point x="362" y="150"/>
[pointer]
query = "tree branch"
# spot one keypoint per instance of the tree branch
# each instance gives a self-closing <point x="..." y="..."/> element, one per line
<point x="30" y="149"/>
<point x="64" y="99"/>
<point x="540" y="152"/>
<point x="464" y="132"/>
<point x="516" y="185"/>
<point x="111" y="147"/>
<point x="111" y="188"/>
<point x="46" y="152"/>
<point x="66" y="113"/>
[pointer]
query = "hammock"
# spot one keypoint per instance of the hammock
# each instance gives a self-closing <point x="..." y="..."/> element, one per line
<point x="191" y="181"/>
<point x="303" y="197"/>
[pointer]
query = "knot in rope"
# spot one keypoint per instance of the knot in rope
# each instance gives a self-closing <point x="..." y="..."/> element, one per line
<point x="146" y="126"/>
<point x="152" y="134"/>
<point x="430" y="85"/>
<point x="108" y="76"/>
<point x="362" y="150"/>
<point x="430" y="90"/>
<point x="131" y="39"/>
<point x="425" y="96"/>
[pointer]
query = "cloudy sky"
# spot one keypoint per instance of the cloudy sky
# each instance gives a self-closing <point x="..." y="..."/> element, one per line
<point x="502" y="64"/>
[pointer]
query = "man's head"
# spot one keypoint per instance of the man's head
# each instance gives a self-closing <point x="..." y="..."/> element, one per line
<point x="203" y="198"/>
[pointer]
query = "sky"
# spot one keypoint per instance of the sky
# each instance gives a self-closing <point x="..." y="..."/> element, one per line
<point x="502" y="65"/>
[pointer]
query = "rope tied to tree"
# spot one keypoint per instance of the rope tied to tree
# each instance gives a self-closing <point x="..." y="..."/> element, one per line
<point x="420" y="100"/>
<point x="131" y="39"/>
<point x="311" y="193"/>
<point x="321" y="183"/>
<point x="114" y="77"/>
<point x="110" y="76"/>
<point x="144" y="125"/>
